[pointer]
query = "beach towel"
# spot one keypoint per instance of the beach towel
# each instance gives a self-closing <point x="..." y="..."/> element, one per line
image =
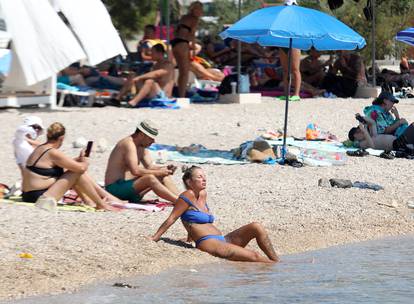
<point x="200" y="155"/>
<point x="151" y="206"/>
<point x="18" y="201"/>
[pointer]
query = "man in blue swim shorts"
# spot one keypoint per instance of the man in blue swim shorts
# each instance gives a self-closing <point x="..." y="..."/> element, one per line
<point x="131" y="157"/>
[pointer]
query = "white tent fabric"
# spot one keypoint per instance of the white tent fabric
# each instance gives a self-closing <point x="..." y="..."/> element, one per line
<point x="92" y="24"/>
<point x="42" y="44"/>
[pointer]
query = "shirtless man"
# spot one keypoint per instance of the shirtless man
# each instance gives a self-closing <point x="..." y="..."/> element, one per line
<point x="365" y="136"/>
<point x="157" y="84"/>
<point x="131" y="156"/>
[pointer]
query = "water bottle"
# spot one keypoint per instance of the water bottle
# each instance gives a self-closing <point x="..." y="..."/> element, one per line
<point x="244" y="83"/>
<point x="233" y="87"/>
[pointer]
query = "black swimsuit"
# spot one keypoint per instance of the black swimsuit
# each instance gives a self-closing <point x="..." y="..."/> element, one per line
<point x="176" y="41"/>
<point x="56" y="172"/>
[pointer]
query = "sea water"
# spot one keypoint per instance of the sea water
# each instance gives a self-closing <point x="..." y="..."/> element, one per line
<point x="369" y="272"/>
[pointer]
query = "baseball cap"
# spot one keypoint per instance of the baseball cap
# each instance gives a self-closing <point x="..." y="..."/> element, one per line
<point x="148" y="128"/>
<point x="387" y="95"/>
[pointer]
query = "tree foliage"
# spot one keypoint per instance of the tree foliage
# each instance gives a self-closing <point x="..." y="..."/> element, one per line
<point x="129" y="17"/>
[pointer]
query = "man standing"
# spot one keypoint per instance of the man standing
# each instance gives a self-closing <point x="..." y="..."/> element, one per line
<point x="131" y="156"/>
<point x="157" y="84"/>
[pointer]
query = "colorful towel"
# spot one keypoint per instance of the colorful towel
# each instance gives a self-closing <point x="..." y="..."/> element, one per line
<point x="19" y="202"/>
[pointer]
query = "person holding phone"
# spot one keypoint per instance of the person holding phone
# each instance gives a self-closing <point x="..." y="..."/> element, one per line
<point x="131" y="157"/>
<point x="49" y="173"/>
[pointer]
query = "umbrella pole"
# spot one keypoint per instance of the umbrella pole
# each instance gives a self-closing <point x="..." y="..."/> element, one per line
<point x="373" y="34"/>
<point x="287" y="101"/>
<point x="239" y="57"/>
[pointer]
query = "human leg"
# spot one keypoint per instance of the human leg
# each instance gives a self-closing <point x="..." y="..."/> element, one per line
<point x="181" y="53"/>
<point x="296" y="71"/>
<point x="243" y="235"/>
<point x="231" y="252"/>
<point x="203" y="73"/>
<point x="168" y="182"/>
<point x="142" y="184"/>
<point x="148" y="89"/>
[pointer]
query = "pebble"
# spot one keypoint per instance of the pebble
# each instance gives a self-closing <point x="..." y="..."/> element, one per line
<point x="80" y="142"/>
<point x="324" y="183"/>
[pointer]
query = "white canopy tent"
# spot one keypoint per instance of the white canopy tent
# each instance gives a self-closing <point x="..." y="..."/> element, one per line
<point x="90" y="21"/>
<point x="42" y="44"/>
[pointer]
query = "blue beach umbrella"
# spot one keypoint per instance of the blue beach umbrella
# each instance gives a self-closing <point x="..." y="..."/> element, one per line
<point x="406" y="36"/>
<point x="294" y="27"/>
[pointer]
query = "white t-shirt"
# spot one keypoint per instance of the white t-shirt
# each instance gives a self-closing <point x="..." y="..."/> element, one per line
<point x="22" y="149"/>
<point x="290" y="2"/>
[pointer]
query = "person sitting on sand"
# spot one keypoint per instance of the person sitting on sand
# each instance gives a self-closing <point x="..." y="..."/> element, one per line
<point x="131" y="156"/>
<point x="365" y="136"/>
<point x="386" y="116"/>
<point x="25" y="139"/>
<point x="49" y="173"/>
<point x="197" y="219"/>
<point x="157" y="84"/>
<point x="312" y="68"/>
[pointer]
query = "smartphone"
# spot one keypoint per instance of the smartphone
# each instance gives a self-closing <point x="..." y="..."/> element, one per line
<point x="360" y="119"/>
<point x="88" y="148"/>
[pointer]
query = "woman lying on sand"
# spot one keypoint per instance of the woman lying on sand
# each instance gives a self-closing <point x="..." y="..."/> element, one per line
<point x="195" y="215"/>
<point x="49" y="173"/>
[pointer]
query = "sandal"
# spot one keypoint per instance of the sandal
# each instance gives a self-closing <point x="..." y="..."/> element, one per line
<point x="358" y="153"/>
<point x="293" y="163"/>
<point x="294" y="98"/>
<point x="387" y="155"/>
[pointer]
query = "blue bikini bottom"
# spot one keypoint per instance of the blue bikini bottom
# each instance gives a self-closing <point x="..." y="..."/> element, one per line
<point x="206" y="237"/>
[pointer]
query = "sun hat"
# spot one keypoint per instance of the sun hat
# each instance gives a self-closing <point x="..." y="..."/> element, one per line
<point x="32" y="121"/>
<point x="148" y="128"/>
<point x="260" y="151"/>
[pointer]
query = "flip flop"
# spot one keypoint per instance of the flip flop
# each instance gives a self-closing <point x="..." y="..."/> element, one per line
<point x="294" y="98"/>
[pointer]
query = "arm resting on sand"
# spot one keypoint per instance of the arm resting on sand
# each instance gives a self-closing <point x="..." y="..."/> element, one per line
<point x="179" y="208"/>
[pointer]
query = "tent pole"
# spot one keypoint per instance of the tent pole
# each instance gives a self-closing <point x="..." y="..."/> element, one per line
<point x="287" y="93"/>
<point x="374" y="80"/>
<point x="239" y="57"/>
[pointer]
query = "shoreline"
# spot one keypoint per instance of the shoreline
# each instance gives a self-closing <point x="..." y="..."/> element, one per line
<point x="71" y="250"/>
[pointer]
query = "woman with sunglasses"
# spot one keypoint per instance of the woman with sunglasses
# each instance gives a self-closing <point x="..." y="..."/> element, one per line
<point x="197" y="219"/>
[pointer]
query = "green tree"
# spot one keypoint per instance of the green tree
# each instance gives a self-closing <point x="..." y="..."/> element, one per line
<point x="130" y="16"/>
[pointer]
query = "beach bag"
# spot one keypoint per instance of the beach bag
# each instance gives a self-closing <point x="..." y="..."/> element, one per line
<point x="225" y="85"/>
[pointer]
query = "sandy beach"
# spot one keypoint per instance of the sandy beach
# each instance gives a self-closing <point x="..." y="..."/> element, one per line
<point x="71" y="249"/>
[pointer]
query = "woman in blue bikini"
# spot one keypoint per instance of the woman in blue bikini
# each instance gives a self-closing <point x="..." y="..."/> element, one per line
<point x="195" y="215"/>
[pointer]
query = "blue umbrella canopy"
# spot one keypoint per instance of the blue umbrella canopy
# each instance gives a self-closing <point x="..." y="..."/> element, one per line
<point x="275" y="26"/>
<point x="294" y="27"/>
<point x="406" y="36"/>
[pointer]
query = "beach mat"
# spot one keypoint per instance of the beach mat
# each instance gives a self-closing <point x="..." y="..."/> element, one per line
<point x="326" y="146"/>
<point x="146" y="205"/>
<point x="202" y="156"/>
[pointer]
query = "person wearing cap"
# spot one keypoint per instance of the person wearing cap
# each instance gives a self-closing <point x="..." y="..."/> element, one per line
<point x="365" y="136"/>
<point x="130" y="156"/>
<point x="385" y="115"/>
<point x="25" y="139"/>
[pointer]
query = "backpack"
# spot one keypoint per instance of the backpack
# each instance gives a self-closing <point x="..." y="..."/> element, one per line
<point x="225" y="85"/>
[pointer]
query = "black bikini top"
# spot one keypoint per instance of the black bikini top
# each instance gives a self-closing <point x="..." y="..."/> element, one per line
<point x="49" y="172"/>
<point x="183" y="26"/>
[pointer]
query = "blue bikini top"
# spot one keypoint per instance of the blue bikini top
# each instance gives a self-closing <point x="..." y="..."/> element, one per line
<point x="196" y="216"/>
